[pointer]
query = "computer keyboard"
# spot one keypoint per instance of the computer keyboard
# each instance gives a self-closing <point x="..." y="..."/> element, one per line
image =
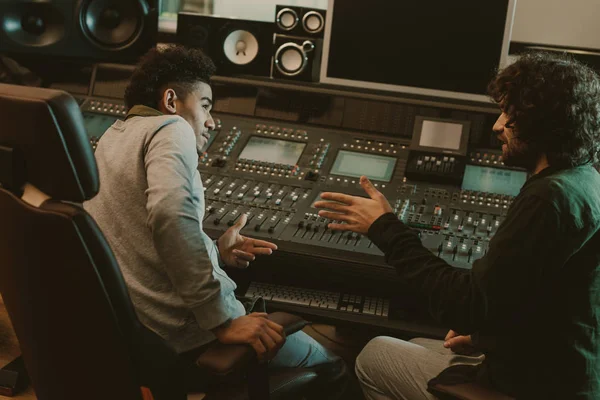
<point x="375" y="306"/>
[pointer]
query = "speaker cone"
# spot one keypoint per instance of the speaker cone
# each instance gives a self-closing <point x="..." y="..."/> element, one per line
<point x="113" y="24"/>
<point x="291" y="58"/>
<point x="34" y="24"/>
<point x="313" y="22"/>
<point x="240" y="47"/>
<point x="287" y="19"/>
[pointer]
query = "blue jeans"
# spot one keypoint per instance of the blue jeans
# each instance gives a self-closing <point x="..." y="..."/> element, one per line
<point x="299" y="351"/>
<point x="302" y="351"/>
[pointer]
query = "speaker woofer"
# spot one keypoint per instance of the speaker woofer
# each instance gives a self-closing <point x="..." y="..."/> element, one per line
<point x="240" y="47"/>
<point x="313" y="22"/>
<point x="291" y="58"/>
<point x="34" y="24"/>
<point x="112" y="24"/>
<point x="287" y="19"/>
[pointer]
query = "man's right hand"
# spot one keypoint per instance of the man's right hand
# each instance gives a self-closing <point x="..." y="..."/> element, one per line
<point x="264" y="335"/>
<point x="459" y="344"/>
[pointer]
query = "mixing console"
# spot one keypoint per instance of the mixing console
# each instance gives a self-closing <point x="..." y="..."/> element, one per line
<point x="274" y="173"/>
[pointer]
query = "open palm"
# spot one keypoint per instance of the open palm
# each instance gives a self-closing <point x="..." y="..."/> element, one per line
<point x="238" y="250"/>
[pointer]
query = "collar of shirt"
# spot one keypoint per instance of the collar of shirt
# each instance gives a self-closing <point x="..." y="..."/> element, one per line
<point x="550" y="170"/>
<point x="142" y="111"/>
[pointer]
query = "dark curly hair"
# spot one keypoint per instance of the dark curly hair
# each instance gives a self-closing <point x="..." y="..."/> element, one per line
<point x="182" y="68"/>
<point x="553" y="104"/>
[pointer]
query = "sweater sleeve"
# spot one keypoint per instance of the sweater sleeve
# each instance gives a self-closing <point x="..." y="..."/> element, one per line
<point x="170" y="162"/>
<point x="525" y="252"/>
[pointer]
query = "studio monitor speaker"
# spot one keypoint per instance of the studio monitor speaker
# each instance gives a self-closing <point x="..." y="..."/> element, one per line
<point x="300" y="21"/>
<point x="297" y="58"/>
<point x="107" y="30"/>
<point x="237" y="47"/>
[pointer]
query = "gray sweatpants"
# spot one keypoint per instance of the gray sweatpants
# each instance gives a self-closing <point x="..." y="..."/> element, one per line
<point x="389" y="368"/>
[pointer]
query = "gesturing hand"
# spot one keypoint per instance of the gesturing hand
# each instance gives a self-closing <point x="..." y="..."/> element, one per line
<point x="459" y="344"/>
<point x="237" y="250"/>
<point x="358" y="212"/>
<point x="264" y="335"/>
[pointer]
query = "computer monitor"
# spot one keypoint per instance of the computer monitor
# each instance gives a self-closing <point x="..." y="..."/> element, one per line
<point x="439" y="48"/>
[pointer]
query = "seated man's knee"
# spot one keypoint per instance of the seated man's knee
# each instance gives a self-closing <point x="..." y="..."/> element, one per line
<point x="374" y="355"/>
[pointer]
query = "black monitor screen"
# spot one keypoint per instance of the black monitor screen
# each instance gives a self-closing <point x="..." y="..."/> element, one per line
<point x="443" y="45"/>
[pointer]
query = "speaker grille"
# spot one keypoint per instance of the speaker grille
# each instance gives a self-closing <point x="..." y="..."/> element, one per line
<point x="33" y="24"/>
<point x="291" y="58"/>
<point x="313" y="22"/>
<point x="113" y="24"/>
<point x="287" y="19"/>
<point x="240" y="47"/>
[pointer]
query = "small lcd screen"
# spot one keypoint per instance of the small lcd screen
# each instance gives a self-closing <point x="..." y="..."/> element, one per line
<point x="373" y="166"/>
<point x="272" y="150"/>
<point x="493" y="180"/>
<point x="97" y="124"/>
<point x="441" y="135"/>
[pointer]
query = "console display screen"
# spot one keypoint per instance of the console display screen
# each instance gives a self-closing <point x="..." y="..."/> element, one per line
<point x="97" y="124"/>
<point x="493" y="180"/>
<point x="442" y="135"/>
<point x="373" y="166"/>
<point x="272" y="150"/>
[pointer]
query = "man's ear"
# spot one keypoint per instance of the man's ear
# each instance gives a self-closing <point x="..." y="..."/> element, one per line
<point x="168" y="102"/>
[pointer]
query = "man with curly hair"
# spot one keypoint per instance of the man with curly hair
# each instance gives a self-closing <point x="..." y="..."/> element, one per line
<point x="525" y="319"/>
<point x="151" y="207"/>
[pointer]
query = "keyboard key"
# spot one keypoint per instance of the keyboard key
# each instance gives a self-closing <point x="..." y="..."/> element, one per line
<point x="322" y="299"/>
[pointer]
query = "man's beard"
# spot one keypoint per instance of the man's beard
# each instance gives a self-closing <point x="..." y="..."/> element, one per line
<point x="520" y="154"/>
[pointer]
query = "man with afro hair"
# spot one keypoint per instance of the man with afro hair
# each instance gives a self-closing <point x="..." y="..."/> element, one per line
<point x="525" y="319"/>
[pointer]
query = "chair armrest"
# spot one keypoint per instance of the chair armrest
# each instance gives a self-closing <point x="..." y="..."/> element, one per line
<point x="291" y="323"/>
<point x="223" y="359"/>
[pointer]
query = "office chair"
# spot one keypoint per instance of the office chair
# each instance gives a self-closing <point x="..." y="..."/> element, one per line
<point x="62" y="287"/>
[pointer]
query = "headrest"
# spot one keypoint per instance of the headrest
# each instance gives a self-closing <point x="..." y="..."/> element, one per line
<point x="43" y="141"/>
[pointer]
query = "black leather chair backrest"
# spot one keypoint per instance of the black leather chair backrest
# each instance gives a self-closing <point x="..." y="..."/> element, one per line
<point x="46" y="127"/>
<point x="62" y="287"/>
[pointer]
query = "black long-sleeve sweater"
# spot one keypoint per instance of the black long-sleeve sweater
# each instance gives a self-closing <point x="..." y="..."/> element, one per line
<point x="533" y="301"/>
